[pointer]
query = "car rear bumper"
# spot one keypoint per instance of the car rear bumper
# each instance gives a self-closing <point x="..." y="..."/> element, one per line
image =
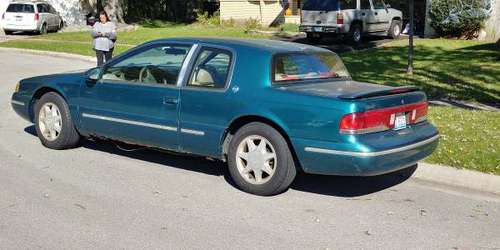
<point x="328" y="161"/>
<point x="13" y="27"/>
<point x="21" y="105"/>
<point x="322" y="29"/>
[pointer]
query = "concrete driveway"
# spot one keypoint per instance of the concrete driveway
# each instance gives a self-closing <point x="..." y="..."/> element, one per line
<point x="98" y="197"/>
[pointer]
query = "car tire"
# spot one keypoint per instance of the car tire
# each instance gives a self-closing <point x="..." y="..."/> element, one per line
<point x="313" y="37"/>
<point x="43" y="29"/>
<point x="395" y="29"/>
<point x="54" y="125"/>
<point x="61" y="26"/>
<point x="355" y="35"/>
<point x="8" y="32"/>
<point x="270" y="157"/>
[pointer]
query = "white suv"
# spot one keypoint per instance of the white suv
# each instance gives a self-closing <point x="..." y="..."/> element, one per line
<point x="34" y="16"/>
<point x="350" y="18"/>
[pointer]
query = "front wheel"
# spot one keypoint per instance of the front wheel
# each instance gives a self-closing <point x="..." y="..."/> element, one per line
<point x="260" y="161"/>
<point x="395" y="29"/>
<point x="53" y="123"/>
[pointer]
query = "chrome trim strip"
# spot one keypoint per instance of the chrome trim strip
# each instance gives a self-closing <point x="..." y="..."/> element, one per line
<point x="193" y="132"/>
<point x="17" y="102"/>
<point x="371" y="154"/>
<point x="185" y="65"/>
<point x="136" y="123"/>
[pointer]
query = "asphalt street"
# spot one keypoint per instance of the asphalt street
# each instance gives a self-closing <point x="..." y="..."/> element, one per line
<point x="99" y="197"/>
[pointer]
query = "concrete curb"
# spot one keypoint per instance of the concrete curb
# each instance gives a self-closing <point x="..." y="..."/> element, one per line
<point x="51" y="53"/>
<point x="458" y="177"/>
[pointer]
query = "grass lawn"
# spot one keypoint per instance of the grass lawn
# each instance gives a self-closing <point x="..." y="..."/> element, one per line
<point x="446" y="70"/>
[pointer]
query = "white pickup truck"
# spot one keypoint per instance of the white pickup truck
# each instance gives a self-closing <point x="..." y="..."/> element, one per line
<point x="350" y="18"/>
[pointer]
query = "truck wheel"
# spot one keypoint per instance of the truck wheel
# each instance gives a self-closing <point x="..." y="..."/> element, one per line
<point x="395" y="29"/>
<point x="54" y="124"/>
<point x="260" y="161"/>
<point x="313" y="37"/>
<point x="355" y="34"/>
<point x="43" y="29"/>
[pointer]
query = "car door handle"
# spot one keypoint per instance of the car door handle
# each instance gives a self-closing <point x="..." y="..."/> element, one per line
<point x="170" y="101"/>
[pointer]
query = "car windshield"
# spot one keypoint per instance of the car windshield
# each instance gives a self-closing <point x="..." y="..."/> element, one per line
<point x="295" y="67"/>
<point x="21" y="8"/>
<point x="329" y="5"/>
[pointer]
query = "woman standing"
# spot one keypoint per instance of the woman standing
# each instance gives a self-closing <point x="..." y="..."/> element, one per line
<point x="104" y="34"/>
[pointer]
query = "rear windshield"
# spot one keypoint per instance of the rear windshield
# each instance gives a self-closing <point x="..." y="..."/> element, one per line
<point x="21" y="8"/>
<point x="329" y="5"/>
<point x="295" y="67"/>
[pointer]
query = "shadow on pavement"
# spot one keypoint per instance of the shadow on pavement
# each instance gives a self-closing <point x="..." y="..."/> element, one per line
<point x="325" y="185"/>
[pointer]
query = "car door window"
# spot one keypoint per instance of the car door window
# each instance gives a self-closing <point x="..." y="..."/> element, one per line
<point x="52" y="10"/>
<point x="211" y="69"/>
<point x="157" y="65"/>
<point x="365" y="5"/>
<point x="378" y="4"/>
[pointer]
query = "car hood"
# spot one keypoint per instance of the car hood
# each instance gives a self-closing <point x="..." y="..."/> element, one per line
<point x="336" y="89"/>
<point x="59" y="76"/>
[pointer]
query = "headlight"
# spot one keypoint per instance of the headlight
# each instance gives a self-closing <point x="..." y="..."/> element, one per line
<point x="17" y="86"/>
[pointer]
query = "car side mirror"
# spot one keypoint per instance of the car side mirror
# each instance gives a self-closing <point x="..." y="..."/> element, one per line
<point x="94" y="74"/>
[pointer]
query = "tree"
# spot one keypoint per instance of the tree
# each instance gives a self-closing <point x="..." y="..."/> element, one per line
<point x="459" y="18"/>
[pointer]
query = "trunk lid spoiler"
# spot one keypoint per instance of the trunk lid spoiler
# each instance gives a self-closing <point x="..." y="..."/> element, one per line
<point x="381" y="92"/>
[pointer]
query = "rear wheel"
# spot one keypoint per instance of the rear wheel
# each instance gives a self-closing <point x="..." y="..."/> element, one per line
<point x="8" y="32"/>
<point x="313" y="37"/>
<point x="54" y="124"/>
<point x="355" y="34"/>
<point x="43" y="29"/>
<point x="61" y="26"/>
<point x="260" y="161"/>
<point x="395" y="29"/>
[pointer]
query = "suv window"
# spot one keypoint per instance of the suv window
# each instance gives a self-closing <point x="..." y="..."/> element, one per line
<point x="378" y="4"/>
<point x="51" y="9"/>
<point x="157" y="65"/>
<point x="21" y="8"/>
<point x="211" y="69"/>
<point x="365" y="5"/>
<point x="42" y="8"/>
<point x="329" y="5"/>
<point x="294" y="67"/>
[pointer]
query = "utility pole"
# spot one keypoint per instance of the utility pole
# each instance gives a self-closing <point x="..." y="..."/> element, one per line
<point x="412" y="29"/>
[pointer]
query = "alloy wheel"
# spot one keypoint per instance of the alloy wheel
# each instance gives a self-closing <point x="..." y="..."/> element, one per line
<point x="256" y="159"/>
<point x="50" y="121"/>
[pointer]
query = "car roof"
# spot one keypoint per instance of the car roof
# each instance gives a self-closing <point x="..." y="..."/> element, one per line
<point x="28" y="2"/>
<point x="267" y="45"/>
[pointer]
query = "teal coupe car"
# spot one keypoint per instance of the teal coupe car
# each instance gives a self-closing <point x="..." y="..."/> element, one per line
<point x="267" y="108"/>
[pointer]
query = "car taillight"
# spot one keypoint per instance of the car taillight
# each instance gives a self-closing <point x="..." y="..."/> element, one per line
<point x="37" y="16"/>
<point x="382" y="119"/>
<point x="340" y="18"/>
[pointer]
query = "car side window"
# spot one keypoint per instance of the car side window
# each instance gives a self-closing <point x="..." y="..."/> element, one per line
<point x="211" y="69"/>
<point x="51" y="9"/>
<point x="365" y="5"/>
<point x="41" y="8"/>
<point x="378" y="4"/>
<point x="157" y="65"/>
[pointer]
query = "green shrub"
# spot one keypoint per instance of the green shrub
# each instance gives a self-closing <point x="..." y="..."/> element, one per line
<point x="251" y="24"/>
<point x="459" y="18"/>
<point x="229" y="23"/>
<point x="205" y="19"/>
